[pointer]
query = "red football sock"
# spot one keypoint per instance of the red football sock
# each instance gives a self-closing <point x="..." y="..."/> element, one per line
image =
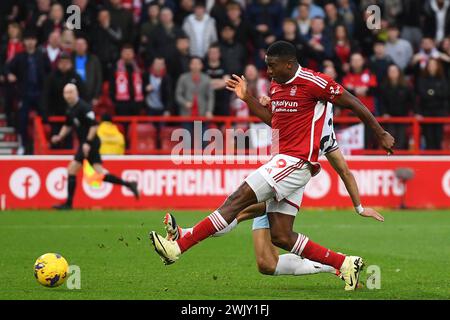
<point x="202" y="230"/>
<point x="315" y="252"/>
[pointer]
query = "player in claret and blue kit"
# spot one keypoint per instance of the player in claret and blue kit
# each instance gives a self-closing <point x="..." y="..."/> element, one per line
<point x="297" y="116"/>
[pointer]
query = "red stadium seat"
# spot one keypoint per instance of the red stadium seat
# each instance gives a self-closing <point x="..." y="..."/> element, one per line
<point x="165" y="138"/>
<point x="146" y="137"/>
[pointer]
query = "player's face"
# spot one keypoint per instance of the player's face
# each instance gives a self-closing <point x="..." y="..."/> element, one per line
<point x="279" y="69"/>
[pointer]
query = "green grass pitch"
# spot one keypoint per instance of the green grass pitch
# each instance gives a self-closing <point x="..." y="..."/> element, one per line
<point x="112" y="249"/>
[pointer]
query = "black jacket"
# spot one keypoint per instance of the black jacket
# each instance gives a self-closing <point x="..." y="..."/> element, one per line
<point x="53" y="103"/>
<point x="19" y="67"/>
<point x="396" y="100"/>
<point x="434" y="95"/>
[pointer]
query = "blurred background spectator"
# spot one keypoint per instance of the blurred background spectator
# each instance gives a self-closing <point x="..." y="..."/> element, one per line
<point x="131" y="54"/>
<point x="112" y="140"/>
<point x="434" y="93"/>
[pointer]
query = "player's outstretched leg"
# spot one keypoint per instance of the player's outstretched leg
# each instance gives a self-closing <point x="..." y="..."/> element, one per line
<point x="170" y="251"/>
<point x="299" y="244"/>
<point x="174" y="231"/>
<point x="73" y="168"/>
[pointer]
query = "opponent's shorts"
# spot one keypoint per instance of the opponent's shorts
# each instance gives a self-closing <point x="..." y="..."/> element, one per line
<point x="281" y="183"/>
<point x="93" y="156"/>
<point x="261" y="222"/>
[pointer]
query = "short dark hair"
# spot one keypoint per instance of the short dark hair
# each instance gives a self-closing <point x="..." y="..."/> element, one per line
<point x="282" y="49"/>
<point x="106" y="117"/>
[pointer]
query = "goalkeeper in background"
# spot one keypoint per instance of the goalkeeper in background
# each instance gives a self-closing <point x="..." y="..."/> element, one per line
<point x="81" y="118"/>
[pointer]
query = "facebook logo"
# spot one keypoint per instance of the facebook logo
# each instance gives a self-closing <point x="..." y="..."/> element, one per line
<point x="24" y="183"/>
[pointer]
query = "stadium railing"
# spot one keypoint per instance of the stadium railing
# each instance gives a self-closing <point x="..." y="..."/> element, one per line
<point x="132" y="124"/>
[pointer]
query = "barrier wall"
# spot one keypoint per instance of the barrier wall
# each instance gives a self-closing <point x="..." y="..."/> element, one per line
<point x="41" y="181"/>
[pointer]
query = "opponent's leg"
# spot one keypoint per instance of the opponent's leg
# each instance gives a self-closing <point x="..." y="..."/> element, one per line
<point x="270" y="263"/>
<point x="132" y="185"/>
<point x="72" y="170"/>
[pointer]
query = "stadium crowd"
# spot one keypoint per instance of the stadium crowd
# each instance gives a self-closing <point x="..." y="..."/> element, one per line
<point x="168" y="57"/>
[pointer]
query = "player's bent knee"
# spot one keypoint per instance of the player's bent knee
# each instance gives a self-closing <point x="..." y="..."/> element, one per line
<point x="266" y="267"/>
<point x="280" y="241"/>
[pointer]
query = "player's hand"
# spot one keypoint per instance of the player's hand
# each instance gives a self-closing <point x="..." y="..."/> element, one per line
<point x="238" y="85"/>
<point x="264" y="100"/>
<point x="386" y="142"/>
<point x="369" y="212"/>
<point x="86" y="148"/>
<point x="55" y="139"/>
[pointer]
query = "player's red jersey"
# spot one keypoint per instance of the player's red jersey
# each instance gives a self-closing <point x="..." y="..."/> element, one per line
<point x="298" y="109"/>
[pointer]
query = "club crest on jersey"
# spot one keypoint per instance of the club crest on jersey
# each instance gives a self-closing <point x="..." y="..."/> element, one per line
<point x="281" y="163"/>
<point x="293" y="91"/>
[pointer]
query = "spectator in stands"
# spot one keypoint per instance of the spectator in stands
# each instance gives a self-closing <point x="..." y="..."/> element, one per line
<point x="361" y="82"/>
<point x="126" y="86"/>
<point x="291" y="34"/>
<point x="201" y="29"/>
<point x="239" y="22"/>
<point x="219" y="12"/>
<point x="28" y="70"/>
<point x="68" y="40"/>
<point x="185" y="8"/>
<point x="179" y="63"/>
<point x="332" y="17"/>
<point x="313" y="9"/>
<point x="266" y="17"/>
<point x="53" y="48"/>
<point x="40" y="15"/>
<point x="163" y="38"/>
<point x="320" y="46"/>
<point x="379" y="61"/>
<point x="11" y="46"/>
<point x="348" y="12"/>
<point x="158" y="89"/>
<point x="150" y="23"/>
<point x="427" y="51"/>
<point x="112" y="140"/>
<point x="106" y="39"/>
<point x="433" y="91"/>
<point x="88" y="17"/>
<point x="411" y="28"/>
<point x="122" y="19"/>
<point x="54" y="22"/>
<point x="232" y="52"/>
<point x="437" y="19"/>
<point x="303" y="20"/>
<point x="445" y="56"/>
<point x="399" y="50"/>
<point x="88" y="67"/>
<point x="343" y="47"/>
<point x="396" y="100"/>
<point x="216" y="70"/>
<point x="52" y="102"/>
<point x="194" y="93"/>
<point x="195" y="97"/>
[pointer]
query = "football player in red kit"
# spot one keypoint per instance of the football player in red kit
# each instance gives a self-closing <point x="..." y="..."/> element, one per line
<point x="297" y="115"/>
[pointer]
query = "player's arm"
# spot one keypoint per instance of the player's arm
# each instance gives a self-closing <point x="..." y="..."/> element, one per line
<point x="65" y="130"/>
<point x="337" y="161"/>
<point x="347" y="100"/>
<point x="238" y="85"/>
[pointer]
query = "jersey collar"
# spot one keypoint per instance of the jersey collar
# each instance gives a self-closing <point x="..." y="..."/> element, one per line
<point x="295" y="76"/>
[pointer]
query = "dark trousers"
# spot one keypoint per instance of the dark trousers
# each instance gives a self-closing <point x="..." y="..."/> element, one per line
<point x="158" y="125"/>
<point x="433" y="133"/>
<point x="27" y="103"/>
